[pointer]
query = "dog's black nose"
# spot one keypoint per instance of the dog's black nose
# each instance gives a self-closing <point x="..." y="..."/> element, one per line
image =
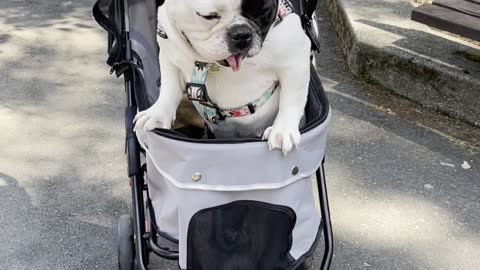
<point x="240" y="36"/>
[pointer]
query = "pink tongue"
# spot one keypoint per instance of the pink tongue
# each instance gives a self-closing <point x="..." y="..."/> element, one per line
<point x="235" y="61"/>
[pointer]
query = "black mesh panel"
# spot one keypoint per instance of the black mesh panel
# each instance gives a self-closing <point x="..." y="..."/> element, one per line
<point x="243" y="235"/>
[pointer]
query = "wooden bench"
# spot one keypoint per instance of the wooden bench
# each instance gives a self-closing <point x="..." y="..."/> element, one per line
<point x="461" y="17"/>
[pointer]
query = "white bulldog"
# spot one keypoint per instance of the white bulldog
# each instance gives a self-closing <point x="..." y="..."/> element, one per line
<point x="245" y="64"/>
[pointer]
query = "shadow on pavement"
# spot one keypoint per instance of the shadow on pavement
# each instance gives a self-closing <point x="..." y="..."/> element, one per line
<point x="63" y="182"/>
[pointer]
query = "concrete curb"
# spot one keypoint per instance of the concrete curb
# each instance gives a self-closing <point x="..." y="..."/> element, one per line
<point x="448" y="90"/>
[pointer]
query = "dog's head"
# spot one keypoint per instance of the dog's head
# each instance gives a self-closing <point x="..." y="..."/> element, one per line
<point x="224" y="31"/>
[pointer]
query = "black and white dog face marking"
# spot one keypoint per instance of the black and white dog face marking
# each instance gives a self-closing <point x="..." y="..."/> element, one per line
<point x="224" y="31"/>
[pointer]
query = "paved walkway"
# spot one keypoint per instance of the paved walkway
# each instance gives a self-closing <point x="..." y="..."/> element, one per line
<point x="384" y="45"/>
<point x="62" y="169"/>
<point x="394" y="205"/>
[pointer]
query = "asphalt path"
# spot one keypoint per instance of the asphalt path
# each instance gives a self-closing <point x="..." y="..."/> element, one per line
<point x="400" y="198"/>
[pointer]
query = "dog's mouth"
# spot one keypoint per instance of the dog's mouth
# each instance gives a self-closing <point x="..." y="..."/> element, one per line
<point x="233" y="61"/>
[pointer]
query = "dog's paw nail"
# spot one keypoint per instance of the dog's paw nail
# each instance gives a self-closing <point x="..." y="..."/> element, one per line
<point x="287" y="147"/>
<point x="266" y="133"/>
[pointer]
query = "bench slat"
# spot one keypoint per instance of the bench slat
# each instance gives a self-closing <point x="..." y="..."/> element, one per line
<point x="448" y="20"/>
<point x="466" y="7"/>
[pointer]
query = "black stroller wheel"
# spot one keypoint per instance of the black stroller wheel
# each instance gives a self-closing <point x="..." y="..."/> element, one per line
<point x="126" y="248"/>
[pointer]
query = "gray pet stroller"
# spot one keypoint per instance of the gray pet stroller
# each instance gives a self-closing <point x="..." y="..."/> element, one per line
<point x="214" y="204"/>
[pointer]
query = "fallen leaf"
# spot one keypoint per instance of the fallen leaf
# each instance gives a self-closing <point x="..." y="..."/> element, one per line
<point x="466" y="166"/>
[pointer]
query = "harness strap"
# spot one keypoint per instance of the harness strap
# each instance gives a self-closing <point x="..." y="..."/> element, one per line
<point x="285" y="8"/>
<point x="197" y="91"/>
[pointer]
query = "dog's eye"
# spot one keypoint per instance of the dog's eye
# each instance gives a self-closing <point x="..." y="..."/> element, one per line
<point x="211" y="16"/>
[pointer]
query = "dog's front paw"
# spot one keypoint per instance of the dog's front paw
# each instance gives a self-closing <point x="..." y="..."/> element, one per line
<point x="152" y="118"/>
<point x="281" y="137"/>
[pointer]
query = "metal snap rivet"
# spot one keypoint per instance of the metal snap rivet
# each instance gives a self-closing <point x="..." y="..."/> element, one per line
<point x="197" y="177"/>
<point x="295" y="170"/>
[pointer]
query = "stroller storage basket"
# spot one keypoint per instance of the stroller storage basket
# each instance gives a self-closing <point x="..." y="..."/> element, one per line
<point x="220" y="204"/>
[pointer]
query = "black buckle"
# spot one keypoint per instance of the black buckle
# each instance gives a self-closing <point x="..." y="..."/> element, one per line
<point x="199" y="95"/>
<point x="218" y="120"/>
<point x="251" y="108"/>
<point x="221" y="117"/>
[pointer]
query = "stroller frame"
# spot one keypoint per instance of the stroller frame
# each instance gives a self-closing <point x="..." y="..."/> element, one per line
<point x="139" y="238"/>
